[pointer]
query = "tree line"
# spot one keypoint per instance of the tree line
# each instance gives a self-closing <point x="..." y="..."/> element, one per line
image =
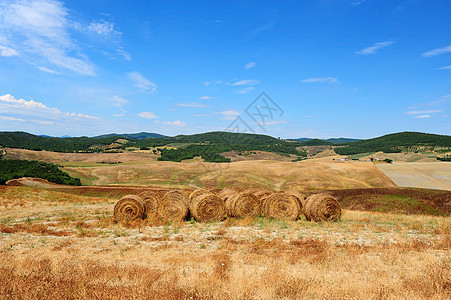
<point x="14" y="169"/>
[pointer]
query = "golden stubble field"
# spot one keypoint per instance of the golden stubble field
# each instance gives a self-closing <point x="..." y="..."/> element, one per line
<point x="55" y="245"/>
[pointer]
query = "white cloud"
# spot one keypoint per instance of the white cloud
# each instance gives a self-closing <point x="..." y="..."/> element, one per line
<point x="318" y="79"/>
<point x="175" y="123"/>
<point x="12" y="119"/>
<point x="193" y="104"/>
<point x="142" y="82"/>
<point x="250" y="65"/>
<point x="245" y="82"/>
<point x="200" y="115"/>
<point x="207" y="98"/>
<point x="229" y="114"/>
<point x="118" y="101"/>
<point x="118" y="115"/>
<point x="245" y="90"/>
<point x="373" y="49"/>
<point x="445" y="68"/>
<point x="125" y="55"/>
<point x="103" y="27"/>
<point x="207" y="83"/>
<point x="41" y="30"/>
<point x="32" y="109"/>
<point x="437" y="51"/>
<point x="422" y="117"/>
<point x="147" y="115"/>
<point x="419" y="112"/>
<point x="47" y="70"/>
<point x="356" y="3"/>
<point x="5" y="51"/>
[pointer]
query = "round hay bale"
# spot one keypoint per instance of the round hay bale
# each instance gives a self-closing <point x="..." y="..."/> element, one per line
<point x="151" y="200"/>
<point x="129" y="207"/>
<point x="161" y="192"/>
<point x="282" y="206"/>
<point x="301" y="197"/>
<point x="196" y="193"/>
<point x="173" y="206"/>
<point x="262" y="194"/>
<point x="243" y="205"/>
<point x="226" y="193"/>
<point x="322" y="207"/>
<point x="207" y="207"/>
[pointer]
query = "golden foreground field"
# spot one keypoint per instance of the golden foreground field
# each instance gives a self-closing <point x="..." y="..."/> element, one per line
<point x="55" y="245"/>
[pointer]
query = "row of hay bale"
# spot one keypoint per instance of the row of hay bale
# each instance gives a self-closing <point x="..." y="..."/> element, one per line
<point x="215" y="205"/>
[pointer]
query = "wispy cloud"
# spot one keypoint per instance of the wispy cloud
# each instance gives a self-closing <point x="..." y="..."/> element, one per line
<point x="193" y="104"/>
<point x="245" y="90"/>
<point x="445" y="68"/>
<point x="47" y="70"/>
<point x="250" y="65"/>
<point x="142" y="82"/>
<point x="103" y="27"/>
<point x="356" y="3"/>
<point x="5" y="51"/>
<point x="147" y="115"/>
<point x="12" y="119"/>
<point x="175" y="123"/>
<point x="119" y="101"/>
<point x="207" y="98"/>
<point x="320" y="79"/>
<point x="41" y="30"/>
<point x="200" y="115"/>
<point x="245" y="82"/>
<point x="437" y="51"/>
<point x="374" y="48"/>
<point x="422" y="117"/>
<point x="419" y="112"/>
<point x="229" y="114"/>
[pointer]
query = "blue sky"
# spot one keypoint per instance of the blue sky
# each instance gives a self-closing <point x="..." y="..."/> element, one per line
<point x="330" y="68"/>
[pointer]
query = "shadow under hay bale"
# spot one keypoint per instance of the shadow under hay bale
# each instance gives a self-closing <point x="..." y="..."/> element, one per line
<point x="243" y="205"/>
<point x="322" y="207"/>
<point x="282" y="206"/>
<point x="129" y="207"/>
<point x="173" y="206"/>
<point x="151" y="200"/>
<point x="207" y="207"/>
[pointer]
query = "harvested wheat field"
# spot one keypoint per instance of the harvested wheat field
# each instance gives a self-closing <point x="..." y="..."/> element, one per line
<point x="57" y="245"/>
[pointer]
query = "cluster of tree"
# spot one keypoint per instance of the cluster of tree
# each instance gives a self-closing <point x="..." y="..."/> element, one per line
<point x="392" y="143"/>
<point x="13" y="169"/>
<point x="446" y="158"/>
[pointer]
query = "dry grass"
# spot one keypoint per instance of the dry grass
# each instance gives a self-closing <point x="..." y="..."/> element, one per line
<point x="75" y="251"/>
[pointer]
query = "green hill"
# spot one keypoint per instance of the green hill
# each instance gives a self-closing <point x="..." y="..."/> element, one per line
<point x="139" y="136"/>
<point x="23" y="140"/>
<point x="396" y="142"/>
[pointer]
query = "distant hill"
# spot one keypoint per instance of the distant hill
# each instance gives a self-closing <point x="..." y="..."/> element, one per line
<point x="395" y="142"/>
<point x="316" y="142"/>
<point x="331" y="140"/>
<point x="342" y="140"/>
<point x="138" y="136"/>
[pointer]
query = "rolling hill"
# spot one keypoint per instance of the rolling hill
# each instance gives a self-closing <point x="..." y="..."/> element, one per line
<point x="396" y="142"/>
